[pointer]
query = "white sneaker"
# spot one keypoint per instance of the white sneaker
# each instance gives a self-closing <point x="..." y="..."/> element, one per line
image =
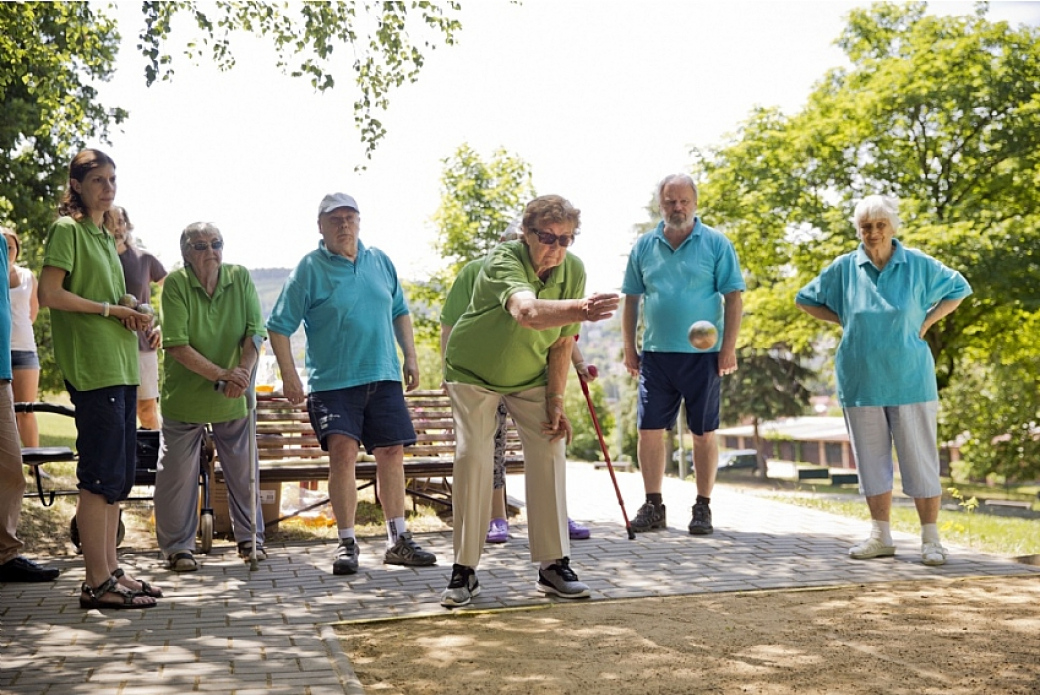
<point x="871" y="548"/>
<point x="933" y="553"/>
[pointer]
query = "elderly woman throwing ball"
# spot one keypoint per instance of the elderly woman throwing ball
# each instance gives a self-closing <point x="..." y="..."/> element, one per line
<point x="513" y="344"/>
<point x="885" y="297"/>
<point x="213" y="324"/>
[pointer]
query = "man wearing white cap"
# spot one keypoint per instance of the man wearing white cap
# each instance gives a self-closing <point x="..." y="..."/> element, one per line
<point x="353" y="309"/>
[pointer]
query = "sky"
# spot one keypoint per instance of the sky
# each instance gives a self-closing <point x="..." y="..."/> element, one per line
<point x="602" y="98"/>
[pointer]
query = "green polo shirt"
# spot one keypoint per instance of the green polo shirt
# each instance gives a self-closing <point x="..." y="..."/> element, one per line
<point x="215" y="327"/>
<point x="487" y="347"/>
<point x="457" y="301"/>
<point x="92" y="351"/>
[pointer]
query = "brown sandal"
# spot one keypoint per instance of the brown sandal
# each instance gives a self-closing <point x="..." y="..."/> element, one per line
<point x="146" y="588"/>
<point x="91" y="598"/>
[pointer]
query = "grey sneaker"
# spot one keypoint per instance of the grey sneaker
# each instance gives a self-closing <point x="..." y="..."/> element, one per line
<point x="462" y="587"/>
<point x="649" y="517"/>
<point x="346" y="561"/>
<point x="560" y="579"/>
<point x="407" y="552"/>
<point x="700" y="524"/>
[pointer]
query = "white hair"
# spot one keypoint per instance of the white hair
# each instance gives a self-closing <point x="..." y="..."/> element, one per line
<point x="676" y="178"/>
<point x="877" y="207"/>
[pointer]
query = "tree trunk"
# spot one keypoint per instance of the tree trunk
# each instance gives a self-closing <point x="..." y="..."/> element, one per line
<point x="762" y="471"/>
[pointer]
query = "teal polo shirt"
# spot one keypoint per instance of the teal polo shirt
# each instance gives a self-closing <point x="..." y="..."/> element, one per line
<point x="487" y="347"/>
<point x="215" y="327"/>
<point x="881" y="359"/>
<point x="457" y="301"/>
<point x="683" y="285"/>
<point x="347" y="309"/>
<point x="91" y="350"/>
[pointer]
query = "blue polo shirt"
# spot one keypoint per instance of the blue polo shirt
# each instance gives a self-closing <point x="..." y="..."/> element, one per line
<point x="683" y="285"/>
<point x="882" y="360"/>
<point x="5" y="322"/>
<point x="347" y="309"/>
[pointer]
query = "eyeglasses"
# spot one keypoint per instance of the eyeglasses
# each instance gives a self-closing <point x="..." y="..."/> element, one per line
<point x="548" y="238"/>
<point x="216" y="245"/>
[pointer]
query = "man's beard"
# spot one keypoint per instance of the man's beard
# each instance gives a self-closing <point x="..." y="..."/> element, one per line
<point x="677" y="220"/>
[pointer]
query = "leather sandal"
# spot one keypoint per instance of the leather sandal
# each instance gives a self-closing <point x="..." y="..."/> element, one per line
<point x="91" y="598"/>
<point x="182" y="561"/>
<point x="146" y="588"/>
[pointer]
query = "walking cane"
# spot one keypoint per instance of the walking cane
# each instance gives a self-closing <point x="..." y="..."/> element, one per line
<point x="603" y="446"/>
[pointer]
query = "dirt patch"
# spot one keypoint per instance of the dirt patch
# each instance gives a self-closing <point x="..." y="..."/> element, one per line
<point x="951" y="637"/>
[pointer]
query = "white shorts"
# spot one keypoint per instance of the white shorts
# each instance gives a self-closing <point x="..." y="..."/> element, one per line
<point x="148" y="363"/>
<point x="912" y="429"/>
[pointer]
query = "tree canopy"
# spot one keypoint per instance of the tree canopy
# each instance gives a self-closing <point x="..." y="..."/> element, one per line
<point x="386" y="41"/>
<point x="940" y="112"/>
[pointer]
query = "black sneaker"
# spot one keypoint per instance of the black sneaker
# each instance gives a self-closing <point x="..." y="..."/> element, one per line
<point x="22" y="569"/>
<point x="462" y="587"/>
<point x="407" y="552"/>
<point x="649" y="517"/>
<point x="558" y="578"/>
<point x="346" y="561"/>
<point x="700" y="525"/>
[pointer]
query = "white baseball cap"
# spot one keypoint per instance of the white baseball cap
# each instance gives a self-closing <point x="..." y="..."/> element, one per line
<point x="334" y="201"/>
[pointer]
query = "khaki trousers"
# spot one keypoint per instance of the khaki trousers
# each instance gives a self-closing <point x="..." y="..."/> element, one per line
<point x="545" y="470"/>
<point x="12" y="477"/>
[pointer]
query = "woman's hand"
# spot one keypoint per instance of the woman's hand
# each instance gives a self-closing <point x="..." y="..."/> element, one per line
<point x="154" y="337"/>
<point x="132" y="320"/>
<point x="558" y="425"/>
<point x="236" y="381"/>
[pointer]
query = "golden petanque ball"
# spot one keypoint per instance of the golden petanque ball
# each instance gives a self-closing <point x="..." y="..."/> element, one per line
<point x="128" y="300"/>
<point x="703" y="335"/>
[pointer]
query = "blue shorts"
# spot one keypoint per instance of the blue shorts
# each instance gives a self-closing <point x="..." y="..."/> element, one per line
<point x="374" y="414"/>
<point x="668" y="378"/>
<point x="24" y="359"/>
<point x="106" y="440"/>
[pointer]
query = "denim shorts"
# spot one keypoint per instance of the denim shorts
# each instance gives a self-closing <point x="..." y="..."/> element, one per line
<point x="374" y="414"/>
<point x="24" y="359"/>
<point x="668" y="378"/>
<point x="106" y="440"/>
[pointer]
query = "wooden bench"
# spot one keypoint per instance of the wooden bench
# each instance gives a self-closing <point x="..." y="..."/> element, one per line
<point x="289" y="449"/>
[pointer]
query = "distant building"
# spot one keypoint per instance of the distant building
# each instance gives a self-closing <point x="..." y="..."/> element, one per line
<point x="819" y="440"/>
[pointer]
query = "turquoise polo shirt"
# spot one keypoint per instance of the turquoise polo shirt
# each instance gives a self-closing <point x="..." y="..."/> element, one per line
<point x="683" y="285"/>
<point x="347" y="309"/>
<point x="881" y="359"/>
<point x="487" y="347"/>
<point x="91" y="350"/>
<point x="215" y="327"/>
<point x="457" y="301"/>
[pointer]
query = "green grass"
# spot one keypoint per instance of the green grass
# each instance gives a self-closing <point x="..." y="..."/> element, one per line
<point x="1006" y="536"/>
<point x="56" y="430"/>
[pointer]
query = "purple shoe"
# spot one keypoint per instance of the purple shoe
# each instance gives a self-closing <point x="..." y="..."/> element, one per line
<point x="498" y="531"/>
<point x="577" y="531"/>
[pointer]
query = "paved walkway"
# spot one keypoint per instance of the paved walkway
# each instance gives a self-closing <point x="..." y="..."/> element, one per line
<point x="225" y="629"/>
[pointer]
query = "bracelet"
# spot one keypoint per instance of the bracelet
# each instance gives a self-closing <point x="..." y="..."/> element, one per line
<point x="579" y="366"/>
<point x="554" y="396"/>
<point x="104" y="309"/>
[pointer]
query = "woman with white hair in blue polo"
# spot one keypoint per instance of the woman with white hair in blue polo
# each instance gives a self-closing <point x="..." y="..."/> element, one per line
<point x="885" y="297"/>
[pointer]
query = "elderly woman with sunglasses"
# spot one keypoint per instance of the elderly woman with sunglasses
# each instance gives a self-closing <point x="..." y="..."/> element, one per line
<point x="213" y="324"/>
<point x="513" y="344"/>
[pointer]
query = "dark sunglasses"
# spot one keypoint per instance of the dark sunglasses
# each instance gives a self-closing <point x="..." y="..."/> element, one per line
<point x="216" y="245"/>
<point x="548" y="238"/>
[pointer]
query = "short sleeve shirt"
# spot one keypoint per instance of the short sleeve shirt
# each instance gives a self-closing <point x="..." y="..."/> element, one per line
<point x="348" y="310"/>
<point x="140" y="270"/>
<point x="487" y="347"/>
<point x="215" y="327"/>
<point x="91" y="350"/>
<point x="461" y="292"/>
<point x="682" y="285"/>
<point x="882" y="359"/>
